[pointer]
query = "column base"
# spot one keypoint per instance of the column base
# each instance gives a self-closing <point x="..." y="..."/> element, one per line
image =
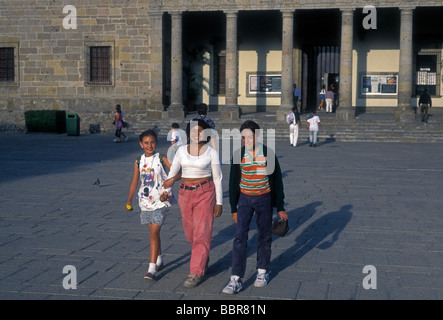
<point x="404" y="114"/>
<point x="154" y="112"/>
<point x="345" y="114"/>
<point x="175" y="111"/>
<point x="230" y="112"/>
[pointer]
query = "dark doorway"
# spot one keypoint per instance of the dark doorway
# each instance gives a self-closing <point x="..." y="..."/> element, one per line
<point x="321" y="65"/>
<point x="317" y="35"/>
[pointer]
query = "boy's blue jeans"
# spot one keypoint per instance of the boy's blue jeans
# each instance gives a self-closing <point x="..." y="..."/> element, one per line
<point x="247" y="205"/>
<point x="313" y="136"/>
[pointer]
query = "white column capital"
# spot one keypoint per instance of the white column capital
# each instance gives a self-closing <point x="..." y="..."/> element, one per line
<point x="286" y="13"/>
<point x="347" y="12"/>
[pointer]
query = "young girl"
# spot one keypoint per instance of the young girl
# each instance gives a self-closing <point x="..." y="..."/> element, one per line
<point x="154" y="200"/>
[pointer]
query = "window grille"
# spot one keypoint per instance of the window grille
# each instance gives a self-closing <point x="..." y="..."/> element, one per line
<point x="100" y="65"/>
<point x="7" y="68"/>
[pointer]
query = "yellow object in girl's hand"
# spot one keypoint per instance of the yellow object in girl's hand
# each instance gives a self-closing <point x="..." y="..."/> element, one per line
<point x="129" y="207"/>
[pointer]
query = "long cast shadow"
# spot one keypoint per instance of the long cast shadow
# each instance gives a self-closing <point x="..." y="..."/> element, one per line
<point x="312" y="236"/>
<point x="296" y="218"/>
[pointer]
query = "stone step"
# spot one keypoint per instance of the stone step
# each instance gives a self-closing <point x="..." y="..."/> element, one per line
<point x="365" y="128"/>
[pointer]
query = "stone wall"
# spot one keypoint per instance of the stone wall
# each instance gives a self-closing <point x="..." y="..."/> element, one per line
<point x="52" y="70"/>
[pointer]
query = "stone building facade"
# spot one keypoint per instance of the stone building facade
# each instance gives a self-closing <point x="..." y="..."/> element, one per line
<point x="87" y="56"/>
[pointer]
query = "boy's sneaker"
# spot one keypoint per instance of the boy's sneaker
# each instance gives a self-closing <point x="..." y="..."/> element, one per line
<point x="262" y="279"/>
<point x="233" y="286"/>
<point x="192" y="281"/>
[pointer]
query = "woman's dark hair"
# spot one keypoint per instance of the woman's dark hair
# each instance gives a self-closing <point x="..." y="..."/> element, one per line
<point x="202" y="109"/>
<point x="249" y="124"/>
<point x="148" y="133"/>
<point x="197" y="122"/>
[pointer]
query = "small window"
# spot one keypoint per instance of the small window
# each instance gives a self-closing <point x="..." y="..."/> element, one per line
<point x="221" y="74"/>
<point x="100" y="66"/>
<point x="7" y="65"/>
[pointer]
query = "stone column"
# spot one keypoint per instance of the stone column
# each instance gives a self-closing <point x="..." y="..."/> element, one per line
<point x="154" y="99"/>
<point x="231" y="109"/>
<point x="176" y="109"/>
<point x="345" y="111"/>
<point x="287" y="63"/>
<point x="404" y="111"/>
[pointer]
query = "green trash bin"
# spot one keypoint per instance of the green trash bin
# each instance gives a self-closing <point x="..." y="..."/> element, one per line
<point x="72" y="124"/>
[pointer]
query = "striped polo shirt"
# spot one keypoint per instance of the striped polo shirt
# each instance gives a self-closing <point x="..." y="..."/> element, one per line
<point x="254" y="179"/>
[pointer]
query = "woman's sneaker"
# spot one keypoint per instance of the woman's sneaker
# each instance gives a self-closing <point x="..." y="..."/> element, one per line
<point x="192" y="281"/>
<point x="233" y="286"/>
<point x="262" y="278"/>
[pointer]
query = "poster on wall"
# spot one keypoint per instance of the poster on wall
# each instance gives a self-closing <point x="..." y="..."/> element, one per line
<point x="379" y="85"/>
<point x="264" y="84"/>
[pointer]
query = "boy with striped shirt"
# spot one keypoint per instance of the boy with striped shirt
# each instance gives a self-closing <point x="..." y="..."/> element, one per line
<point x="255" y="185"/>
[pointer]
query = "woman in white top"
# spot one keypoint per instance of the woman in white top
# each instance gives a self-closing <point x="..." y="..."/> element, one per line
<point x="200" y="194"/>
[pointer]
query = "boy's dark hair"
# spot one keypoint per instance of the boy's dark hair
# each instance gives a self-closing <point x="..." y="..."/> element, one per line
<point x="148" y="133"/>
<point x="199" y="122"/>
<point x="249" y="124"/>
<point x="294" y="109"/>
<point x="175" y="125"/>
<point x="202" y="109"/>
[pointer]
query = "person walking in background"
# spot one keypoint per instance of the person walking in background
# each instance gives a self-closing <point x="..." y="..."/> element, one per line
<point x="293" y="119"/>
<point x="296" y="96"/>
<point x="329" y="96"/>
<point x="200" y="195"/>
<point x="124" y="124"/>
<point x="425" y="104"/>
<point x="253" y="188"/>
<point x="176" y="139"/>
<point x="314" y="125"/>
<point x="118" y="124"/>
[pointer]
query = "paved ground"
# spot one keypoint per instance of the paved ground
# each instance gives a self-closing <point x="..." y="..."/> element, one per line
<point x="350" y="205"/>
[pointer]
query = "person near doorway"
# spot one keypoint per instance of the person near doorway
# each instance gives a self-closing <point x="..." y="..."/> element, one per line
<point x="297" y="96"/>
<point x="293" y="119"/>
<point x="322" y="97"/>
<point x="329" y="99"/>
<point x="425" y="104"/>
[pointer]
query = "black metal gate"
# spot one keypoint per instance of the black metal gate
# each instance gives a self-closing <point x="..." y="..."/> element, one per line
<point x="321" y="65"/>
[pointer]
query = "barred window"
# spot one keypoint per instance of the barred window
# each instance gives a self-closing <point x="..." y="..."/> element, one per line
<point x="221" y="74"/>
<point x="100" y="65"/>
<point x="7" y="67"/>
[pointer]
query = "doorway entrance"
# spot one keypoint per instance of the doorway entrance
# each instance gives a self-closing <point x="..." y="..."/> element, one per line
<point x="321" y="65"/>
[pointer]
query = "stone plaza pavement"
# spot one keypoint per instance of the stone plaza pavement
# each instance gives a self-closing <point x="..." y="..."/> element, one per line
<point x="350" y="205"/>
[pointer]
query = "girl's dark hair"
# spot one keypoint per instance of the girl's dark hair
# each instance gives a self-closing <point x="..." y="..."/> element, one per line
<point x="249" y="124"/>
<point x="199" y="122"/>
<point x="148" y="133"/>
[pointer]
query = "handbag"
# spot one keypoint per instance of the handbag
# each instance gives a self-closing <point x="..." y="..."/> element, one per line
<point x="280" y="227"/>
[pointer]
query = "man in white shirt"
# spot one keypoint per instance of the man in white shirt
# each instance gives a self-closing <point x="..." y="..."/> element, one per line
<point x="176" y="139"/>
<point x="293" y="120"/>
<point x="314" y="126"/>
